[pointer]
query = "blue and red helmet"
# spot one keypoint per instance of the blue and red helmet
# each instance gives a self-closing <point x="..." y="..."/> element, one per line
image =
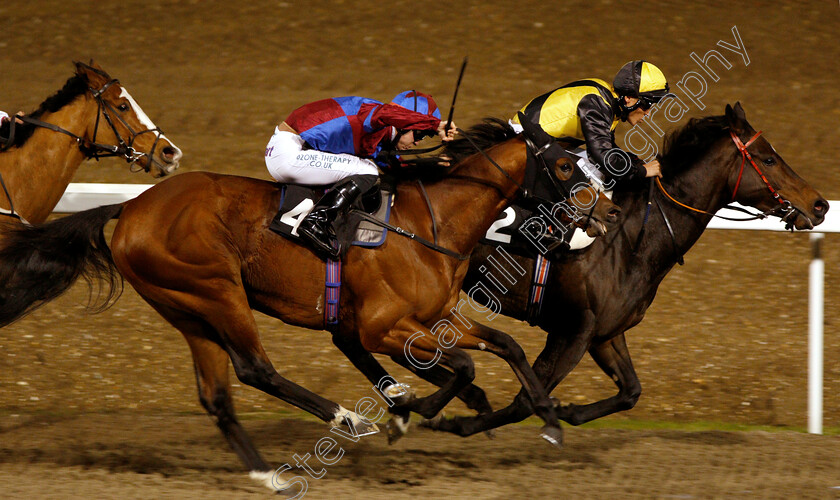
<point x="417" y="101"/>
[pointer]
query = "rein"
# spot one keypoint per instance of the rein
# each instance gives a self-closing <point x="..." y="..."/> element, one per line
<point x="402" y="232"/>
<point x="433" y="245"/>
<point x="784" y="205"/>
<point x="90" y="148"/>
<point x="93" y="149"/>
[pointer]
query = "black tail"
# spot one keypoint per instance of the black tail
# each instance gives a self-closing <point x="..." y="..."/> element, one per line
<point x="39" y="263"/>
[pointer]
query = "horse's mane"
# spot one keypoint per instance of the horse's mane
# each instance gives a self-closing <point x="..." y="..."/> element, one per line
<point x="487" y="133"/>
<point x="685" y="145"/>
<point x="75" y="86"/>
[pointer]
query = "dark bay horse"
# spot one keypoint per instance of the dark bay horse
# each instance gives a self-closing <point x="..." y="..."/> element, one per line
<point x="595" y="295"/>
<point x="197" y="249"/>
<point x="93" y="115"/>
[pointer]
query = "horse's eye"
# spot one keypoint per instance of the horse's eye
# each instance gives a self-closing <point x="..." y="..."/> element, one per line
<point x="770" y="161"/>
<point x="123" y="107"/>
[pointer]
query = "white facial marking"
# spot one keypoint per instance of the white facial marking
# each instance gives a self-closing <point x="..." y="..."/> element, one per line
<point x="144" y="119"/>
<point x="137" y="110"/>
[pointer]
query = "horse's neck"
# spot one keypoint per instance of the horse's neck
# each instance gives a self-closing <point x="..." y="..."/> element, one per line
<point x="467" y="202"/>
<point x="37" y="173"/>
<point x="700" y="187"/>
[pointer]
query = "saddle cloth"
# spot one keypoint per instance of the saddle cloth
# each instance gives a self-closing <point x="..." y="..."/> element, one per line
<point x="518" y="230"/>
<point x="297" y="201"/>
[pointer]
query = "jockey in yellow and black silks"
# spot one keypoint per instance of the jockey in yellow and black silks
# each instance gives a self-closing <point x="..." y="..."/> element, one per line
<point x="588" y="111"/>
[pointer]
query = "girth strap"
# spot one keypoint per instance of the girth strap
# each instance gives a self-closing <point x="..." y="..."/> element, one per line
<point x="535" y="298"/>
<point x="332" y="295"/>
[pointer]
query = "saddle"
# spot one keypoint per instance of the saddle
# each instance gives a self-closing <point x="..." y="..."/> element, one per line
<point x="515" y="229"/>
<point x="522" y="225"/>
<point x="297" y="201"/>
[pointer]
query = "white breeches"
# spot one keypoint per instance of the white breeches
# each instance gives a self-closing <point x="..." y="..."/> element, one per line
<point x="288" y="162"/>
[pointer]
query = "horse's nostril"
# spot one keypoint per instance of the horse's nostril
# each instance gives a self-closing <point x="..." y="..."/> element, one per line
<point x="613" y="214"/>
<point x="170" y="154"/>
<point x="820" y="207"/>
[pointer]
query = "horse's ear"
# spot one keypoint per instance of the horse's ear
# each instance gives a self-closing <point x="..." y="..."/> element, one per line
<point x="92" y="72"/>
<point x="533" y="131"/>
<point x="736" y="117"/>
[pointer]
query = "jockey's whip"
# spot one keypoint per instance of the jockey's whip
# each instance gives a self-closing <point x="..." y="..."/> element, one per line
<point x="455" y="95"/>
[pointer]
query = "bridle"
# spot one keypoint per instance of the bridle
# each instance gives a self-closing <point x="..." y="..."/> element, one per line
<point x="92" y="149"/>
<point x="522" y="192"/>
<point x="785" y="209"/>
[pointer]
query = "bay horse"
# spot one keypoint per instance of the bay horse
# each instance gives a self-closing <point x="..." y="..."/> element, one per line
<point x="92" y="116"/>
<point x="197" y="249"/>
<point x="595" y="295"/>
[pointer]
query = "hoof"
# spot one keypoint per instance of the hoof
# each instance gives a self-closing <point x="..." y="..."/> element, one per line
<point x="272" y="481"/>
<point x="399" y="394"/>
<point x="356" y="426"/>
<point x="397" y="428"/>
<point x="359" y="428"/>
<point x="553" y="435"/>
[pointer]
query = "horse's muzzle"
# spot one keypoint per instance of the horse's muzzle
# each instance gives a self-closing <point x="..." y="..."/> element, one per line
<point x="167" y="160"/>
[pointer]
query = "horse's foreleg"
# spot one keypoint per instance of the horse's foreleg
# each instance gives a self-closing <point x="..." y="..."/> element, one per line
<point x="559" y="356"/>
<point x="362" y="360"/>
<point x="473" y="396"/>
<point x="412" y="343"/>
<point x="614" y="358"/>
<point x="478" y="336"/>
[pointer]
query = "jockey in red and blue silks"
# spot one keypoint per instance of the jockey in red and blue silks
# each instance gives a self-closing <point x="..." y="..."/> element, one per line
<point x="338" y="141"/>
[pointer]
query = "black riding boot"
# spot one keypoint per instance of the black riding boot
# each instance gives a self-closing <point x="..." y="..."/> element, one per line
<point x="316" y="228"/>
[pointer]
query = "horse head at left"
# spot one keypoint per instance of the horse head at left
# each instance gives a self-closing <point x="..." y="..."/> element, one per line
<point x="121" y="128"/>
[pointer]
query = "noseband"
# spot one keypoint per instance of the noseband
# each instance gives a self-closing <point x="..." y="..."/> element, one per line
<point x="93" y="149"/>
<point x="785" y="209"/>
<point x="90" y="148"/>
<point x="123" y="150"/>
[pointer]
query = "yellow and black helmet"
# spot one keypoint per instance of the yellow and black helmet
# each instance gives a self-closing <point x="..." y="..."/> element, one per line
<point x="642" y="80"/>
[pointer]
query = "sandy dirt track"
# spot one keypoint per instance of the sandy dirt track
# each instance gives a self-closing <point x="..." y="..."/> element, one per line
<point x="104" y="406"/>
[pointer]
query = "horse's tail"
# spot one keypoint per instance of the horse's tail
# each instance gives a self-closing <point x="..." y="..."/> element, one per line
<point x="39" y="263"/>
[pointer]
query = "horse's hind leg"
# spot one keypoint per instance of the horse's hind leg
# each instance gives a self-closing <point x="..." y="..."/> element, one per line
<point x="230" y="315"/>
<point x="211" y="372"/>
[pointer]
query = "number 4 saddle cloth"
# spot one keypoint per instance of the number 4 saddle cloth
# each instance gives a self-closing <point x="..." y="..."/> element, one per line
<point x="297" y="201"/>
